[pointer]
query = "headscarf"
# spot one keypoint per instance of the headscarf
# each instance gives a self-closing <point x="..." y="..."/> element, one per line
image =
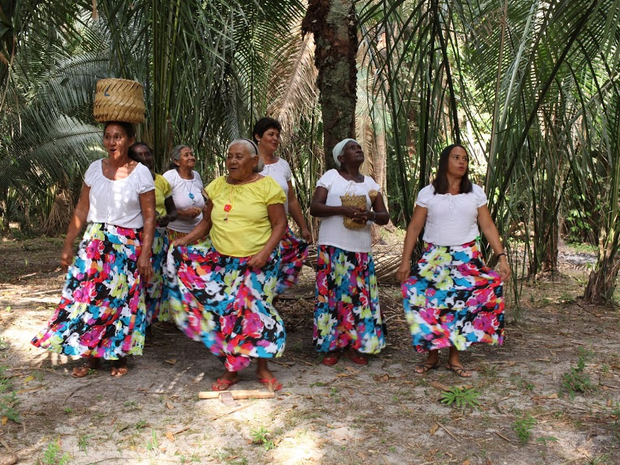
<point x="339" y="148"/>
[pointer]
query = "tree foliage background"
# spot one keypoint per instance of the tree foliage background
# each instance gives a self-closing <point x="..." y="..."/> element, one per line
<point x="529" y="87"/>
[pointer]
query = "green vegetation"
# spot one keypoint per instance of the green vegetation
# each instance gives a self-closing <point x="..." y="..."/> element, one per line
<point x="461" y="397"/>
<point x="262" y="437"/>
<point x="8" y="398"/>
<point x="577" y="380"/>
<point x="523" y="426"/>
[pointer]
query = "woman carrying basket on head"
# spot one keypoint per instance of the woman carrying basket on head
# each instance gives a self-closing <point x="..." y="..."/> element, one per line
<point x="102" y="314"/>
<point x="346" y="313"/>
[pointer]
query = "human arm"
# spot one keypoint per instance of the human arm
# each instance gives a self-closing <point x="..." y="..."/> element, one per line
<point x="171" y="212"/>
<point x="277" y="218"/>
<point x="191" y="212"/>
<point x="75" y="226"/>
<point x="487" y="227"/>
<point x="200" y="230"/>
<point x="147" y="205"/>
<point x="294" y="208"/>
<point x="319" y="208"/>
<point x="418" y="220"/>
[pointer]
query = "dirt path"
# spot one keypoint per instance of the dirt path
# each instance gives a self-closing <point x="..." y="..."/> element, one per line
<point x="346" y="414"/>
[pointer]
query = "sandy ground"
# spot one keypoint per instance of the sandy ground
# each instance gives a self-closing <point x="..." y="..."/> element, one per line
<point x="380" y="414"/>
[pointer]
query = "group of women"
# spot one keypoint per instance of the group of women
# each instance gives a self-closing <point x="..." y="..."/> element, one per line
<point x="156" y="248"/>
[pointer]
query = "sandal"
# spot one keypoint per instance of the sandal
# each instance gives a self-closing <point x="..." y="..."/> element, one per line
<point x="87" y="368"/>
<point x="356" y="357"/>
<point x="272" y="383"/>
<point x="119" y="368"/>
<point x="222" y="384"/>
<point x="424" y="367"/>
<point x="331" y="359"/>
<point x="459" y="370"/>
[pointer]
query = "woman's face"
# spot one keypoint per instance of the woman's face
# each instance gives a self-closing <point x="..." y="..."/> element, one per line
<point x="186" y="160"/>
<point x="270" y="141"/>
<point x="352" y="154"/>
<point x="116" y="141"/>
<point x="240" y="163"/>
<point x="458" y="160"/>
<point x="145" y="155"/>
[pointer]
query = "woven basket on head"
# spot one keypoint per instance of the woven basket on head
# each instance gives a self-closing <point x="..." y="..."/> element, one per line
<point x="119" y="100"/>
<point x="357" y="201"/>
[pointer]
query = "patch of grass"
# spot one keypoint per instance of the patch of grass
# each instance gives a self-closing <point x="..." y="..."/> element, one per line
<point x="83" y="441"/>
<point x="523" y="427"/>
<point x="577" y="380"/>
<point x="262" y="437"/>
<point x="153" y="444"/>
<point x="461" y="397"/>
<point x="546" y="439"/>
<point x="8" y="398"/>
<point x="54" y="455"/>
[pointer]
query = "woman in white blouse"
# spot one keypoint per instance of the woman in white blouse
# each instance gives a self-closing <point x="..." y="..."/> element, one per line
<point x="347" y="315"/>
<point x="102" y="314"/>
<point x="452" y="299"/>
<point x="293" y="250"/>
<point x="187" y="191"/>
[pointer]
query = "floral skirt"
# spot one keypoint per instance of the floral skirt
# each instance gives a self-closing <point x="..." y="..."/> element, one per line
<point x="224" y="303"/>
<point x="156" y="306"/>
<point x="102" y="310"/>
<point x="346" y="311"/>
<point x="293" y="252"/>
<point x="453" y="300"/>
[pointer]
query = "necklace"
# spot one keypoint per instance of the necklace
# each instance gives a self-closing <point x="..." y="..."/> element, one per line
<point x="228" y="206"/>
<point x="190" y="194"/>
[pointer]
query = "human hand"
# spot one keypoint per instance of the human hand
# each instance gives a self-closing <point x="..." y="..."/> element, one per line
<point x="145" y="268"/>
<point x="163" y="220"/>
<point x="504" y="268"/>
<point x="404" y="271"/>
<point x="66" y="257"/>
<point x="306" y="235"/>
<point x="258" y="260"/>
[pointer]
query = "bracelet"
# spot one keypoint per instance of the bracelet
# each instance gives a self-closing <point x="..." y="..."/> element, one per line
<point x="374" y="216"/>
<point x="500" y="254"/>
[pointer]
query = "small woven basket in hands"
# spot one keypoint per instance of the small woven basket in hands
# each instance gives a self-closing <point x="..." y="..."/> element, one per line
<point x="357" y="201"/>
<point x="119" y="100"/>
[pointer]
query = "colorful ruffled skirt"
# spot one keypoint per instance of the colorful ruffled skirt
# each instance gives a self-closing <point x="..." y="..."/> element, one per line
<point x="224" y="303"/>
<point x="156" y="306"/>
<point x="346" y="311"/>
<point x="453" y="299"/>
<point x="293" y="253"/>
<point x="102" y="309"/>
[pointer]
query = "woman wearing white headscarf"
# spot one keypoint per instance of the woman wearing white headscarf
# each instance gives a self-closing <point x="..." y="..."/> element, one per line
<point x="346" y="313"/>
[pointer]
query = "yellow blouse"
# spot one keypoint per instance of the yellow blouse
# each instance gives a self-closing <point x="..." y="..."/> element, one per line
<point x="162" y="192"/>
<point x="243" y="228"/>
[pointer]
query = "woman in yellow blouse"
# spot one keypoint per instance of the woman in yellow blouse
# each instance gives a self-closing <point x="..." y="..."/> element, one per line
<point x="222" y="291"/>
<point x="166" y="211"/>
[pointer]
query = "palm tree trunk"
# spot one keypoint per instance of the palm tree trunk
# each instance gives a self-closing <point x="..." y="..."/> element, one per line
<point x="334" y="25"/>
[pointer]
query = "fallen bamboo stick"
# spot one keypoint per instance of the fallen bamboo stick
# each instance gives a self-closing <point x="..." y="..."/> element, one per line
<point x="238" y="394"/>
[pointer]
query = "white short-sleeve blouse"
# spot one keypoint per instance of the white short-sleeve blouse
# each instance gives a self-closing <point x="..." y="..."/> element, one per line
<point x="451" y="219"/>
<point x="280" y="171"/>
<point x="332" y="230"/>
<point x="117" y="202"/>
<point x="186" y="193"/>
